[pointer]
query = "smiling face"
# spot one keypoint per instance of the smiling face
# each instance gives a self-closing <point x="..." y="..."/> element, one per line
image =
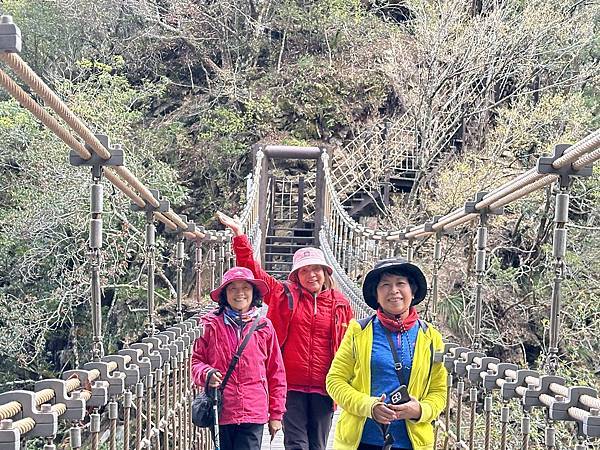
<point x="239" y="295"/>
<point x="312" y="278"/>
<point x="394" y="294"/>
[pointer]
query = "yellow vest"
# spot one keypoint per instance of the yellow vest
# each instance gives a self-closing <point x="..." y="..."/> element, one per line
<point x="349" y="384"/>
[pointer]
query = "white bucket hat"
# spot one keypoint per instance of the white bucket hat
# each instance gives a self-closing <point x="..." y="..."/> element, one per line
<point x="308" y="256"/>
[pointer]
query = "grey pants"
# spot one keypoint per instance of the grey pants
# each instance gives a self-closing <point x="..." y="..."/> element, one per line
<point x="307" y="421"/>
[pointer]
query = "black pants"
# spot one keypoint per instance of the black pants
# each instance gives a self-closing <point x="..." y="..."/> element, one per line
<point x="373" y="447"/>
<point x="245" y="436"/>
<point x="307" y="421"/>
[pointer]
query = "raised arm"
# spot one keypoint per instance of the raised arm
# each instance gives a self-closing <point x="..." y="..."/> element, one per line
<point x="230" y="222"/>
<point x="244" y="255"/>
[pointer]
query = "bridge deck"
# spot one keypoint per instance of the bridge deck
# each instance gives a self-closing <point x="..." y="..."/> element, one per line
<point x="277" y="443"/>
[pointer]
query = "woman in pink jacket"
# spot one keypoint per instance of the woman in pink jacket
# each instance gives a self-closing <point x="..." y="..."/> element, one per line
<point x="256" y="392"/>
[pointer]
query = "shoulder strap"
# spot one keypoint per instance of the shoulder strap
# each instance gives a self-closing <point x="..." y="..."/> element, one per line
<point x="365" y="321"/>
<point x="238" y="353"/>
<point x="288" y="293"/>
<point x="431" y="354"/>
<point x="397" y="362"/>
<point x="425" y="326"/>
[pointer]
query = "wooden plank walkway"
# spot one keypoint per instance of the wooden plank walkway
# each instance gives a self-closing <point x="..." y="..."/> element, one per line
<point x="277" y="443"/>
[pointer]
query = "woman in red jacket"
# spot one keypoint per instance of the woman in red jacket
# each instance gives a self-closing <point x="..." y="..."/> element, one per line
<point x="310" y="318"/>
<point x="256" y="391"/>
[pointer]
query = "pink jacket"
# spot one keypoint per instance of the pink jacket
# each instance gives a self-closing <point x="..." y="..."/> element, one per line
<point x="256" y="391"/>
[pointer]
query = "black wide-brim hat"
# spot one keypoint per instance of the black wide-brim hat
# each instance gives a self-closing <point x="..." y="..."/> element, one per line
<point x="398" y="265"/>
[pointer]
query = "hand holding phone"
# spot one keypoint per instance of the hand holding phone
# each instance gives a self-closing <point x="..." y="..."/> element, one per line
<point x="399" y="396"/>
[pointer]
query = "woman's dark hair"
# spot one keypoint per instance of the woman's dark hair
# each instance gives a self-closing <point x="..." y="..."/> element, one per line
<point x="401" y="273"/>
<point x="256" y="299"/>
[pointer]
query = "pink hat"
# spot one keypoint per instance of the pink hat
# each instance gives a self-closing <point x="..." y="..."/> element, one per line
<point x="308" y="256"/>
<point x="239" y="273"/>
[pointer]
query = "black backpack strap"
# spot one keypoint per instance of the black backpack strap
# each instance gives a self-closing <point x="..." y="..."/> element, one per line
<point x="238" y="353"/>
<point x="365" y="321"/>
<point x="290" y="298"/>
<point x="397" y="362"/>
<point x="424" y="325"/>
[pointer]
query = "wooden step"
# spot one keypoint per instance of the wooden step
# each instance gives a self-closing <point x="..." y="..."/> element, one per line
<point x="296" y="229"/>
<point x="278" y="254"/>
<point x="273" y="239"/>
<point x="279" y="247"/>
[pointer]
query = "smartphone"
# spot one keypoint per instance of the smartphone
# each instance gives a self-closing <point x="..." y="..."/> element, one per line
<point x="399" y="396"/>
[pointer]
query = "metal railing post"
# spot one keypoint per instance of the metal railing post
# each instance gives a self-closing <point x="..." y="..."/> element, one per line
<point x="545" y="165"/>
<point x="97" y="165"/>
<point x="480" y="262"/>
<point x="198" y="269"/>
<point x="150" y="250"/>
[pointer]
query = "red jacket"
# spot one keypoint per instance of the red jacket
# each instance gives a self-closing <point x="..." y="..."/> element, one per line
<point x="256" y="391"/>
<point x="309" y="333"/>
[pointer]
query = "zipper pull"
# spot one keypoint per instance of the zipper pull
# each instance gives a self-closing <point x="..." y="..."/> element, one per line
<point x="315" y="299"/>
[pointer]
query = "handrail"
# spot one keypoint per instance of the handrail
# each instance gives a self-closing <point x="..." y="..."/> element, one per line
<point x="579" y="155"/>
<point x="20" y="67"/>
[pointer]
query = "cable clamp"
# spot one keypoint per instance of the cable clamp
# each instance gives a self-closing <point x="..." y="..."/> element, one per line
<point x="142" y="363"/>
<point x="163" y="204"/>
<point x="475" y="370"/>
<point x="470" y="206"/>
<point x="10" y="36"/>
<point x="454" y="355"/>
<point x="490" y="379"/>
<point x="74" y="403"/>
<point x="46" y="420"/>
<point x="131" y="371"/>
<point x="559" y="410"/>
<point x="153" y="356"/>
<point x="532" y="394"/>
<point x="117" y="157"/>
<point x="544" y="165"/>
<point x="99" y="389"/>
<point x="10" y="436"/>
<point x="508" y="390"/>
<point x="116" y="380"/>
<point x="461" y="365"/>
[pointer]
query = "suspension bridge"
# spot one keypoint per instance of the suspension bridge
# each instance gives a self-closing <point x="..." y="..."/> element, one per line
<point x="140" y="397"/>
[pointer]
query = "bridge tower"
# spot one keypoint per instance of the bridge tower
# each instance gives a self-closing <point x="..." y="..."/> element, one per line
<point x="293" y="204"/>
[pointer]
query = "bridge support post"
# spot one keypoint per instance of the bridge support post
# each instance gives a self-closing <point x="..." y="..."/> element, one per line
<point x="437" y="262"/>
<point x="179" y="259"/>
<point x="150" y="248"/>
<point x="480" y="261"/>
<point x="410" y="250"/>
<point x="198" y="269"/>
<point x="97" y="165"/>
<point x="437" y="258"/>
<point x="320" y="193"/>
<point x="179" y="254"/>
<point x="263" y="187"/>
<point x="212" y="263"/>
<point x="559" y="241"/>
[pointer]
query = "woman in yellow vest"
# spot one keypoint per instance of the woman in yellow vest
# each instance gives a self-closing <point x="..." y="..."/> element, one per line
<point x="383" y="375"/>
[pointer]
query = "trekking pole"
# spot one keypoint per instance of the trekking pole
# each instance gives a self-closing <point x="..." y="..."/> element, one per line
<point x="216" y="435"/>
